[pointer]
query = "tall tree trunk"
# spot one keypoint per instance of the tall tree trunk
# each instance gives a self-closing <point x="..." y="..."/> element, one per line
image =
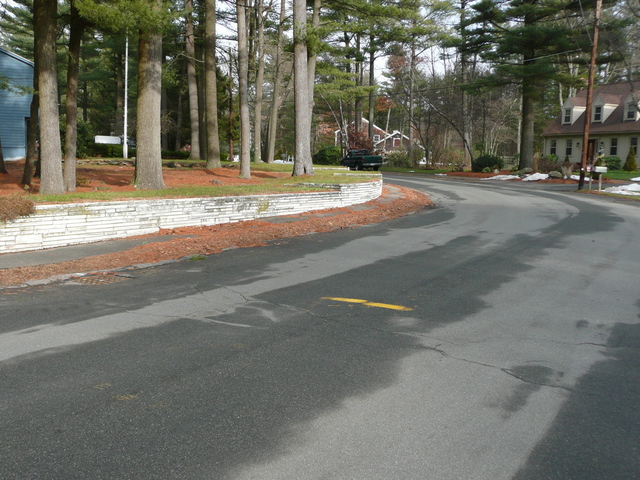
<point x="148" y="175"/>
<point x="202" y="104"/>
<point x="192" y="81"/>
<point x="231" y="154"/>
<point x="178" y="140"/>
<point x="119" y="120"/>
<point x="528" y="116"/>
<point x="372" y="82"/>
<point x="51" y="181"/>
<point x="164" y="118"/>
<point x="465" y="100"/>
<point x="76" y="27"/>
<point x="358" y="102"/>
<point x="3" y="168"/>
<point x="312" y="60"/>
<point x="277" y="88"/>
<point x="257" y="128"/>
<point x="211" y="86"/>
<point x="243" y="91"/>
<point x="528" y="106"/>
<point x="412" y="64"/>
<point x="32" y="132"/>
<point x="302" y="162"/>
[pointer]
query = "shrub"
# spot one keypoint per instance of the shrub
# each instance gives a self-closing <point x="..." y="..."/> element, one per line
<point x="487" y="161"/>
<point x="612" y="162"/>
<point x="111" y="151"/>
<point x="13" y="207"/>
<point x="398" y="159"/>
<point x="548" y="163"/>
<point x="172" y="155"/>
<point x="630" y="165"/>
<point x="328" y="156"/>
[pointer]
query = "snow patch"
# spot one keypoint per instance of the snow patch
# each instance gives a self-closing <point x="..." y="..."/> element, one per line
<point x="535" y="177"/>
<point x="503" y="177"/>
<point x="632" y="189"/>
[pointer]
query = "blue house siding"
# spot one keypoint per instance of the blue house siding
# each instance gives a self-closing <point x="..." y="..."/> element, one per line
<point x="14" y="105"/>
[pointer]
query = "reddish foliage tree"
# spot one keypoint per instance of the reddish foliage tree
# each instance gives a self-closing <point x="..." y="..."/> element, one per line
<point x="359" y="140"/>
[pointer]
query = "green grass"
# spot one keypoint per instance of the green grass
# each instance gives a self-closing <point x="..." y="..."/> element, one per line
<point x="287" y="184"/>
<point x="621" y="175"/>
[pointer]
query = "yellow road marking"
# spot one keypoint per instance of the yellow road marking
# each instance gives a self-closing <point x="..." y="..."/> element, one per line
<point x="348" y="300"/>
<point x="369" y="304"/>
<point x="125" y="398"/>
<point x="103" y="386"/>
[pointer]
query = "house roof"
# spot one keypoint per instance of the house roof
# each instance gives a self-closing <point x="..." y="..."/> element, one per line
<point x="17" y="57"/>
<point x="609" y="98"/>
<point x="615" y="94"/>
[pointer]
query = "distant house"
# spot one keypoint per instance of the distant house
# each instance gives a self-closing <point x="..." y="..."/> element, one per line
<point x="14" y="104"/>
<point x="383" y="141"/>
<point x="614" y="128"/>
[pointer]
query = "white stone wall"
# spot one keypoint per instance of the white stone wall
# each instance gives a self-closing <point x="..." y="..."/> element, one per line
<point x="74" y="223"/>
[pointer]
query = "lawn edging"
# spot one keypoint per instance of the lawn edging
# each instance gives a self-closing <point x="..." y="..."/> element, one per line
<point x="75" y="223"/>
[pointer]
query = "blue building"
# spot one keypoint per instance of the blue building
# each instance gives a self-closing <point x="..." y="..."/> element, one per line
<point x="14" y="104"/>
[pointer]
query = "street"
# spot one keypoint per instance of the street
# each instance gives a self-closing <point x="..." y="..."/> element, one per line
<point x="495" y="336"/>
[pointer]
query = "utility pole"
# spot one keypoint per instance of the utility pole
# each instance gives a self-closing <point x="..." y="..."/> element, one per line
<point x="587" y="112"/>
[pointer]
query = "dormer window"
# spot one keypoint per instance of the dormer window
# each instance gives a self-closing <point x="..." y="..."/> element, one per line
<point x="567" y="116"/>
<point x="597" y="114"/>
<point x="631" y="112"/>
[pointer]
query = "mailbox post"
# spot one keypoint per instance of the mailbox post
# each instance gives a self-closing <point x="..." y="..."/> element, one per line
<point x="600" y="170"/>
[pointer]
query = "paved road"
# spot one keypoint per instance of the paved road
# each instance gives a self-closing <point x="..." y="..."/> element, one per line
<point x="493" y="337"/>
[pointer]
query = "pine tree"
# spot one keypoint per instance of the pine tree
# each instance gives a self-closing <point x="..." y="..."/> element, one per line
<point x="630" y="165"/>
<point x="525" y="41"/>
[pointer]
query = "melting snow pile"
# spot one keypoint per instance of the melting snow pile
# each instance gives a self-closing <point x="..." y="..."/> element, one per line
<point x="535" y="177"/>
<point x="632" y="189"/>
<point x="503" y="177"/>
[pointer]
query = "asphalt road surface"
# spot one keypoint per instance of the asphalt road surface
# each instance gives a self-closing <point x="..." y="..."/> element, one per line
<point x="495" y="336"/>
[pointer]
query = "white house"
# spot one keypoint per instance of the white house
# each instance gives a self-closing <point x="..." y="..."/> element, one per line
<point x="614" y="128"/>
<point x="383" y="141"/>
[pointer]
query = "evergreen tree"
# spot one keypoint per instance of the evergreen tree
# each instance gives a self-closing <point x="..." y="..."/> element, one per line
<point x="630" y="164"/>
<point x="525" y="41"/>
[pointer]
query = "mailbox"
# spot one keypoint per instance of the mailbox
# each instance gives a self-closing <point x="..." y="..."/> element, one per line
<point x="601" y="169"/>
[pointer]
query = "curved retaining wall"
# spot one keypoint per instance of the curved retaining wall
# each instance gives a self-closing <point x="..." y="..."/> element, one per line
<point x="74" y="223"/>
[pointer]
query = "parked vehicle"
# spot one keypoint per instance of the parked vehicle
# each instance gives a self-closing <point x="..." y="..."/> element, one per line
<point x="361" y="159"/>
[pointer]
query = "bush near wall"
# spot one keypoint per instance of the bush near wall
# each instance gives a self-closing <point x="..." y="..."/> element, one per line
<point x="328" y="156"/>
<point x="398" y="159"/>
<point x="549" y="163"/>
<point x="612" y="162"/>
<point x="12" y="207"/>
<point x="487" y="161"/>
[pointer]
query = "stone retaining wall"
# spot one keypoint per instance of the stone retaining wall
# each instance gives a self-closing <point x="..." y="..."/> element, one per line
<point x="74" y="223"/>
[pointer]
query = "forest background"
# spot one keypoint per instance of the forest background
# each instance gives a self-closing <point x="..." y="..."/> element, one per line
<point x="263" y="79"/>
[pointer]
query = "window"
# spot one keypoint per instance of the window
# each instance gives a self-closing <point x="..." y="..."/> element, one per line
<point x="567" y="116"/>
<point x="569" y="149"/>
<point x="597" y="114"/>
<point x="634" y="143"/>
<point x="376" y="138"/>
<point x="396" y="142"/>
<point x="613" y="147"/>
<point x="552" y="149"/>
<point x="631" y="112"/>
